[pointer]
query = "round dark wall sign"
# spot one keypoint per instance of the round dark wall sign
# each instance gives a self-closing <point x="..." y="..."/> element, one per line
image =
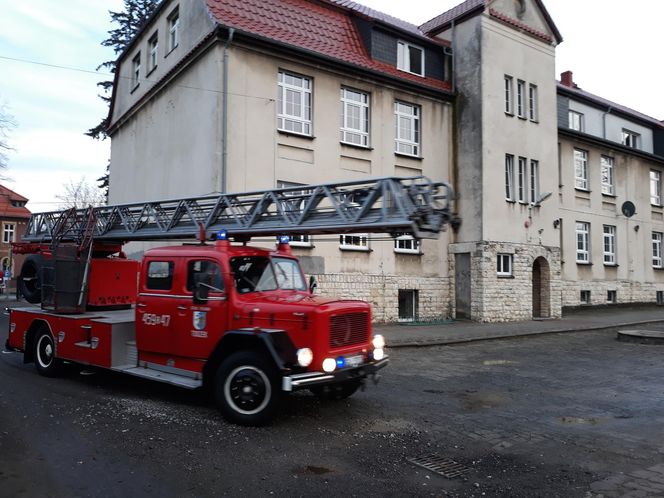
<point x="628" y="209"/>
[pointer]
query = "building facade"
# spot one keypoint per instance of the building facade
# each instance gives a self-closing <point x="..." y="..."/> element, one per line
<point x="234" y="96"/>
<point x="14" y="218"/>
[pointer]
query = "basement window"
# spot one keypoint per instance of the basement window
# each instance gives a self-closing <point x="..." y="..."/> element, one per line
<point x="585" y="297"/>
<point x="612" y="297"/>
<point x="408" y="305"/>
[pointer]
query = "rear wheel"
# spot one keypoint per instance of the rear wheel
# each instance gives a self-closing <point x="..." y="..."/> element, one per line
<point x="29" y="281"/>
<point x="247" y="389"/>
<point x="45" y="361"/>
<point x="337" y="391"/>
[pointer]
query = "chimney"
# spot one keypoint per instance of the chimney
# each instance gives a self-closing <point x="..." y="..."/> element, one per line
<point x="567" y="79"/>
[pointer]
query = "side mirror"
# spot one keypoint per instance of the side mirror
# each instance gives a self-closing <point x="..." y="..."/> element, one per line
<point x="312" y="284"/>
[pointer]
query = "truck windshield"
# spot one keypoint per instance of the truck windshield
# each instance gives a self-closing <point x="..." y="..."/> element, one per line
<point x="256" y="274"/>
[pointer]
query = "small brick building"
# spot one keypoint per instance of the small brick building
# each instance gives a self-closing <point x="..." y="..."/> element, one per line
<point x="13" y="219"/>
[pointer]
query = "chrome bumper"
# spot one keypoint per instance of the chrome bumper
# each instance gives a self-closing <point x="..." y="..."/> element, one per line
<point x="307" y="379"/>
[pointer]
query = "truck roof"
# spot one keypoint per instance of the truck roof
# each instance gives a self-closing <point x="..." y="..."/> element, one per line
<point x="206" y="250"/>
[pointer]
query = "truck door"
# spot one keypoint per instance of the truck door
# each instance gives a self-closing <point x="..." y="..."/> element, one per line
<point x="199" y="326"/>
<point x="155" y="307"/>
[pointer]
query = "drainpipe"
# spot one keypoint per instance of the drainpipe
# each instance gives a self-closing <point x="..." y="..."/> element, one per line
<point x="224" y="113"/>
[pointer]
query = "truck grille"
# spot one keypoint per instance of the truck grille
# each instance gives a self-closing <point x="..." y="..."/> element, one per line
<point x="349" y="329"/>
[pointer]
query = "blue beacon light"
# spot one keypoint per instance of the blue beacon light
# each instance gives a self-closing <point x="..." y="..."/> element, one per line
<point x="284" y="239"/>
<point x="341" y="362"/>
<point x="222" y="235"/>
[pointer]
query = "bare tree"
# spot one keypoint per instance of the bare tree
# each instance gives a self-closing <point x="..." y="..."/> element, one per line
<point x="7" y="124"/>
<point x="81" y="194"/>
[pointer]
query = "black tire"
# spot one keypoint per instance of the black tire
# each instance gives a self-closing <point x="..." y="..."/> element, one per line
<point x="44" y="354"/>
<point x="247" y="389"/>
<point x="29" y="280"/>
<point x="337" y="392"/>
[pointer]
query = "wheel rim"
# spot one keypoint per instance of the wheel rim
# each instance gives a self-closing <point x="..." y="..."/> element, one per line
<point x="247" y="390"/>
<point x="45" y="351"/>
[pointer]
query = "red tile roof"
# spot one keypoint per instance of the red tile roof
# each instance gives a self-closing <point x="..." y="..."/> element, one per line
<point x="6" y="208"/>
<point x="326" y="30"/>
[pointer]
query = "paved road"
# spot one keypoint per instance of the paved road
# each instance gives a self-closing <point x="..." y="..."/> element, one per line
<point x="569" y="415"/>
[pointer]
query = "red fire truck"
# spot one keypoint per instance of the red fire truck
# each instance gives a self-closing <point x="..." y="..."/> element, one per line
<point x="237" y="319"/>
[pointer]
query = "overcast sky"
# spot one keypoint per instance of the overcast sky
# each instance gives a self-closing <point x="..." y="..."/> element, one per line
<point x="612" y="47"/>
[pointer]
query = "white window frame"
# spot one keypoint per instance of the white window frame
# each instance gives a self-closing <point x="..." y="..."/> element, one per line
<point x="404" y="57"/>
<point x="534" y="181"/>
<point x="408" y="145"/>
<point x="631" y="139"/>
<point x="286" y="121"/>
<point x="575" y="120"/>
<point x="581" y="169"/>
<point x="509" y="177"/>
<point x="153" y="52"/>
<point x="407" y="244"/>
<point x="606" y="168"/>
<point x="532" y="102"/>
<point x="297" y="240"/>
<point x="174" y="29"/>
<point x="354" y="242"/>
<point x="504" y="265"/>
<point x="135" y="70"/>
<point x="509" y="95"/>
<point x="522" y="180"/>
<point x="8" y="232"/>
<point x="655" y="187"/>
<point x="657" y="249"/>
<point x="350" y="133"/>
<point x="582" y="242"/>
<point x="521" y="98"/>
<point x="609" y="244"/>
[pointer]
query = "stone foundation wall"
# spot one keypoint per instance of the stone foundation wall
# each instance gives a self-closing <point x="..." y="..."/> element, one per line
<point x="626" y="292"/>
<point x="382" y="292"/>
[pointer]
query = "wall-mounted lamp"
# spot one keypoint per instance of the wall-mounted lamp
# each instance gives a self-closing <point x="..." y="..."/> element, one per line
<point x="556" y="223"/>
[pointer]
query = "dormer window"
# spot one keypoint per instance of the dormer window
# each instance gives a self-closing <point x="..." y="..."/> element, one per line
<point x="410" y="58"/>
<point x="630" y="139"/>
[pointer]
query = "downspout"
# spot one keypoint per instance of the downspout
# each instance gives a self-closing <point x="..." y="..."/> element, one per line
<point x="224" y="113"/>
<point x="455" y="125"/>
<point x="608" y="111"/>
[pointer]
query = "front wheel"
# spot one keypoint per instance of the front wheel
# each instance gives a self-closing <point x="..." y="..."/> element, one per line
<point x="247" y="389"/>
<point x="45" y="361"/>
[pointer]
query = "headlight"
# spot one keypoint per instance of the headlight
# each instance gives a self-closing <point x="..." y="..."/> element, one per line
<point x="378" y="342"/>
<point x="378" y="354"/>
<point x="304" y="357"/>
<point x="329" y="364"/>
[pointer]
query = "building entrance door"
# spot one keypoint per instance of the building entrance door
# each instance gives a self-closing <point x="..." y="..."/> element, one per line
<point x="462" y="284"/>
<point x="541" y="288"/>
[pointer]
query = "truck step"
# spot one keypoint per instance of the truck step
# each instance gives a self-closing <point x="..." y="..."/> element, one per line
<point x="169" y="378"/>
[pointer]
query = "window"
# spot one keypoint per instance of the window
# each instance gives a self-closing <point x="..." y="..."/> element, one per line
<point x="174" y="29"/>
<point x="630" y="139"/>
<point x="521" y="98"/>
<point x="582" y="242"/>
<point x="532" y="102"/>
<point x="534" y="181"/>
<point x="18" y="204"/>
<point x="523" y="180"/>
<point x="655" y="187"/>
<point x="575" y="121"/>
<point x="153" y="52"/>
<point x="160" y="275"/>
<point x="294" y="103"/>
<point x="253" y="274"/>
<point x="354" y="117"/>
<point x="354" y="242"/>
<point x="407" y="132"/>
<point x="509" y="177"/>
<point x="659" y="297"/>
<point x="205" y="272"/>
<point x="612" y="296"/>
<point x="585" y="297"/>
<point x="607" y="175"/>
<point x="609" y="245"/>
<point x="580" y="169"/>
<point x="406" y="244"/>
<point x="296" y="205"/>
<point x="408" y="305"/>
<point x="509" y="99"/>
<point x="410" y="58"/>
<point x="135" y="70"/>
<point x="504" y="265"/>
<point x="657" y="249"/>
<point x="8" y="233"/>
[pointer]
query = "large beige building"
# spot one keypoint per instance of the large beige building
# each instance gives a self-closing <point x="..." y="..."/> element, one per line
<point x="233" y="96"/>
